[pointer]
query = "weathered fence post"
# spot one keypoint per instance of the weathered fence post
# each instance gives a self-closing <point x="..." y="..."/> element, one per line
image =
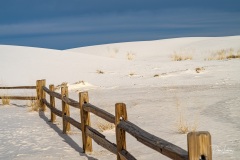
<point x="52" y="102"/>
<point x="38" y="84"/>
<point x="199" y="146"/>
<point x="41" y="94"/>
<point x="85" y="121"/>
<point x="65" y="110"/>
<point x="120" y="114"/>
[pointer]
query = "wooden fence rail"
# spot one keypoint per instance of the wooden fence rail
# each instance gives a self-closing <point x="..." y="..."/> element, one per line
<point x="199" y="143"/>
<point x="122" y="125"/>
<point x="19" y="87"/>
<point x="19" y="97"/>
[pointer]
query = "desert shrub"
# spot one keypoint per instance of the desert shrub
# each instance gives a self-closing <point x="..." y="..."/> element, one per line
<point x="131" y="74"/>
<point x="5" y="100"/>
<point x="199" y="69"/>
<point x="224" y="54"/>
<point x="100" y="72"/>
<point x="80" y="82"/>
<point x="33" y="105"/>
<point x="61" y="85"/>
<point x="181" y="57"/>
<point x="183" y="127"/>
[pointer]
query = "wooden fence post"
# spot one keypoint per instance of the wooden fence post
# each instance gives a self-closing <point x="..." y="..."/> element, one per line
<point x="38" y="84"/>
<point x="65" y="110"/>
<point x="199" y="146"/>
<point x="41" y="94"/>
<point x="85" y="121"/>
<point x="52" y="102"/>
<point x="120" y="114"/>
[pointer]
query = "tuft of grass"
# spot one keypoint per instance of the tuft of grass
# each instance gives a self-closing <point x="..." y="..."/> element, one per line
<point x="5" y="100"/>
<point x="131" y="74"/>
<point x="156" y="75"/>
<point x="181" y="57"/>
<point x="104" y="125"/>
<point x="224" y="54"/>
<point x="183" y="127"/>
<point x="61" y="85"/>
<point x="33" y="105"/>
<point x="80" y="82"/>
<point x="233" y="56"/>
<point x="100" y="72"/>
<point x="199" y="69"/>
<point x="130" y="56"/>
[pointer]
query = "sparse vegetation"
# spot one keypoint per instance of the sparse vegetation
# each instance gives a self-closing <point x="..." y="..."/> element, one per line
<point x="33" y="105"/>
<point x="199" y="69"/>
<point x="100" y="72"/>
<point x="5" y="100"/>
<point x="224" y="54"/>
<point x="183" y="127"/>
<point x="130" y="56"/>
<point x="104" y="125"/>
<point x="131" y="74"/>
<point x="80" y="82"/>
<point x="181" y="57"/>
<point x="61" y="85"/>
<point x="156" y="75"/>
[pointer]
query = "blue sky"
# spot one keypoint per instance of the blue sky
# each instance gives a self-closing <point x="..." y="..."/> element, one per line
<point x="63" y="24"/>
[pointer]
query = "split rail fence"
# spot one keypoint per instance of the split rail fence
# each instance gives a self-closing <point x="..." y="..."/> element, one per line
<point x="199" y="143"/>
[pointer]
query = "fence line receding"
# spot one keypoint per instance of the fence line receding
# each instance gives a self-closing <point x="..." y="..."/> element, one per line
<point x="199" y="143"/>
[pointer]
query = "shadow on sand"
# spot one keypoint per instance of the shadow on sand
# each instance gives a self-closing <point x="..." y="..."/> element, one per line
<point x="66" y="137"/>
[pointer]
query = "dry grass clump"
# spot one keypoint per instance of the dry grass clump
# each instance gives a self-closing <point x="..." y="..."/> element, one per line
<point x="199" y="69"/>
<point x="233" y="56"/>
<point x="131" y="74"/>
<point x="100" y="72"/>
<point x="183" y="127"/>
<point x="181" y="57"/>
<point x="61" y="85"/>
<point x="224" y="54"/>
<point x="104" y="125"/>
<point x="130" y="56"/>
<point x="5" y="100"/>
<point x="33" y="105"/>
<point x="156" y="75"/>
<point x="80" y="82"/>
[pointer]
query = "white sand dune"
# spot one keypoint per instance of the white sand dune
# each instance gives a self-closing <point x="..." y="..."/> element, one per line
<point x="157" y="91"/>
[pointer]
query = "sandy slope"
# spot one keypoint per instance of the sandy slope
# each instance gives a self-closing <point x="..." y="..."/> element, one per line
<point x="156" y="89"/>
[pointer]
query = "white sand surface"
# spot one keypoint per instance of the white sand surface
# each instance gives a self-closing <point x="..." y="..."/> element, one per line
<point x="156" y="89"/>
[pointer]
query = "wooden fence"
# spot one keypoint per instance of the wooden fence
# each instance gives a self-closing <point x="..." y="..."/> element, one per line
<point x="199" y="143"/>
<point x="19" y="97"/>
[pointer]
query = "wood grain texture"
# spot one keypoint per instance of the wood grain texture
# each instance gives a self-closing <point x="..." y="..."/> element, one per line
<point x="67" y="100"/>
<point x="65" y="110"/>
<point x="199" y="145"/>
<point x="85" y="121"/>
<point x="52" y="102"/>
<point x="166" y="148"/>
<point x="53" y="109"/>
<point x="99" y="112"/>
<point x="120" y="114"/>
